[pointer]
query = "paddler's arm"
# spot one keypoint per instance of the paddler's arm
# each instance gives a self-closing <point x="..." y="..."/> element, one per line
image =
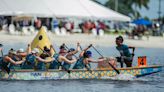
<point x="76" y="51"/>
<point x="96" y="61"/>
<point x="14" y="62"/>
<point x="52" y="50"/>
<point x="29" y="49"/>
<point x="24" y="54"/>
<point x="82" y="53"/>
<point x="45" y="60"/>
<point x="62" y="58"/>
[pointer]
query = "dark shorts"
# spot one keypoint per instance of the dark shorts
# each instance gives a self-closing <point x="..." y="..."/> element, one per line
<point x="128" y="62"/>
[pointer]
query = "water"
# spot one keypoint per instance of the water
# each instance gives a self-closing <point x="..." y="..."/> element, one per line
<point x="151" y="83"/>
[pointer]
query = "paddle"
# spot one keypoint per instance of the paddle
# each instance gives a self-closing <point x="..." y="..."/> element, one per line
<point x="133" y="53"/>
<point x="44" y="51"/>
<point x="108" y="62"/>
<point x="68" y="49"/>
<point x="86" y="66"/>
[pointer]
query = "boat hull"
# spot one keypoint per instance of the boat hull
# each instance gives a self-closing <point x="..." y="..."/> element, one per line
<point x="76" y="74"/>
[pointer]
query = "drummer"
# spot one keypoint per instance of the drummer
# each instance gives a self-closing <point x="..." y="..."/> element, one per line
<point x="126" y="57"/>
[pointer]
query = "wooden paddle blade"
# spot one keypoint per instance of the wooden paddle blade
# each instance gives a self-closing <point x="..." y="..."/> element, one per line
<point x="118" y="72"/>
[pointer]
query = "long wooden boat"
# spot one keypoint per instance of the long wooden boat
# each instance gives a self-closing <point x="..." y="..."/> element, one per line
<point x="42" y="40"/>
<point x="77" y="74"/>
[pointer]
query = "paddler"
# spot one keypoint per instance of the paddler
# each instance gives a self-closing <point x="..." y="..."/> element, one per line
<point x="126" y="57"/>
<point x="45" y="55"/>
<point x="69" y="56"/>
<point x="10" y="59"/>
<point x="85" y="59"/>
<point x="17" y="57"/>
<point x="32" y="57"/>
<point x="21" y="53"/>
<point x="57" y="63"/>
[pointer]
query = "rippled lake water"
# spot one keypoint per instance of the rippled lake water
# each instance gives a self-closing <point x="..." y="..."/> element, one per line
<point x="150" y="83"/>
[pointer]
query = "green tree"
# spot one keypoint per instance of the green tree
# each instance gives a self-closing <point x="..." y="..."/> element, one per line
<point x="128" y="7"/>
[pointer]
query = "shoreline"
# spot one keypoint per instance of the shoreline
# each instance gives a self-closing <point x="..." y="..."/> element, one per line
<point x="107" y="40"/>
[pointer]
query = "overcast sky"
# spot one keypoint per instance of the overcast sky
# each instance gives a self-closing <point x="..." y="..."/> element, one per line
<point x="153" y="8"/>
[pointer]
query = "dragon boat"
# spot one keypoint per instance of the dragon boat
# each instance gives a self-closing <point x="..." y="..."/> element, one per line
<point x="77" y="74"/>
<point x="42" y="40"/>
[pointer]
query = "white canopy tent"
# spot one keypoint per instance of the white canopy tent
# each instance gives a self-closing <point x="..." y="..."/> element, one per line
<point x="59" y="8"/>
<point x="25" y="7"/>
<point x="66" y="8"/>
<point x="4" y="10"/>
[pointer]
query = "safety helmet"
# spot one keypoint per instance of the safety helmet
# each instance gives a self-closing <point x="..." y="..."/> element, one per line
<point x="71" y="49"/>
<point x="88" y="54"/>
<point x="35" y="50"/>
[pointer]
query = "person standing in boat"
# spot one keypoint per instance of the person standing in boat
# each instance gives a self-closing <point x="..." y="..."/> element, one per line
<point x="85" y="59"/>
<point x="126" y="57"/>
<point x="69" y="56"/>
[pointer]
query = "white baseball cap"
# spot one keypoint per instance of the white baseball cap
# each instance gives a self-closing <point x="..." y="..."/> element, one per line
<point x="35" y="50"/>
<point x="21" y="50"/>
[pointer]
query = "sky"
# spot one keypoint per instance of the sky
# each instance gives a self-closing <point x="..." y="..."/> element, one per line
<point x="153" y="9"/>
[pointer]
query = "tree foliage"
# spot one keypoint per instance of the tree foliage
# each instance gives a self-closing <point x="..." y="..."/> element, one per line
<point x="128" y="7"/>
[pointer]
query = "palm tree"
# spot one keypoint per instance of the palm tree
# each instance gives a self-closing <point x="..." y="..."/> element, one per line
<point x="128" y="7"/>
<point x="139" y="4"/>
